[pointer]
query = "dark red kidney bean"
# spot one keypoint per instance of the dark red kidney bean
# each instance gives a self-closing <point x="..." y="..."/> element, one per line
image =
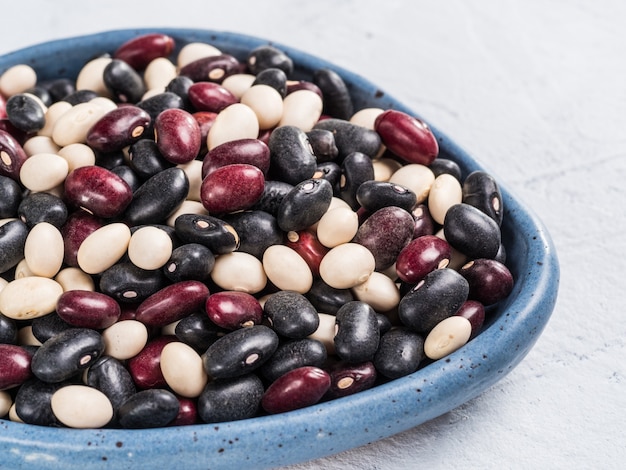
<point x="268" y="57"/>
<point x="180" y="85"/>
<point x="330" y="172"/>
<point x="307" y="245"/>
<point x="151" y="205"/>
<point x="481" y="190"/>
<point x="356" y="168"/>
<point x="42" y="207"/>
<point x="249" y="151"/>
<point x="471" y="231"/>
<point x="347" y="378"/>
<point x="232" y="188"/>
<point x="80" y="96"/>
<point x="273" y="193"/>
<point x="187" y="412"/>
<point x="211" y="69"/>
<point x="323" y="144"/>
<point x="385" y="233"/>
<point x="257" y="230"/>
<point x="177" y="135"/>
<point x="232" y="310"/>
<point x="139" y="51"/>
<point x="293" y="354"/>
<point x="47" y="326"/>
<point x="298" y="388"/>
<point x="153" y="408"/>
<point x="80" y="224"/>
<point x="25" y="113"/>
<point x="441" y="166"/>
<point x="87" y="309"/>
<point x="337" y="100"/>
<point x="19" y="135"/>
<point x="10" y="197"/>
<point x="128" y="283"/>
<point x="66" y="354"/>
<point x="111" y="377"/>
<point x="172" y="303"/>
<point x="32" y="402"/>
<point x="119" y="128"/>
<point x="421" y="256"/>
<point x="158" y="103"/>
<point x="230" y="399"/>
<point x="217" y="235"/>
<point x="146" y="159"/>
<point x="98" y="191"/>
<point x="8" y="330"/>
<point x="474" y="311"/>
<point x="291" y="314"/>
<point x="273" y="77"/>
<point x="291" y="156"/>
<point x="356" y="332"/>
<point x="489" y="280"/>
<point x="14" y="366"/>
<point x="145" y="367"/>
<point x="123" y="81"/>
<point x="198" y="331"/>
<point x="407" y="137"/>
<point x="59" y="88"/>
<point x="438" y="296"/>
<point x="424" y="222"/>
<point x="12" y="156"/>
<point x="240" y="352"/>
<point x="304" y="205"/>
<point x="295" y="85"/>
<point x="190" y="262"/>
<point x="209" y="96"/>
<point x="373" y="195"/>
<point x="12" y="240"/>
<point x="327" y="299"/>
<point x="400" y="353"/>
<point x="351" y="137"/>
<point x="205" y="120"/>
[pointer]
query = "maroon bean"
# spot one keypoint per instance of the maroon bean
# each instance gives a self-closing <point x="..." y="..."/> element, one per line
<point x="98" y="191"/>
<point x="296" y="389"/>
<point x="211" y="69"/>
<point x="306" y="244"/>
<point x="489" y="280"/>
<point x="14" y="366"/>
<point x="424" y="223"/>
<point x="209" y="96"/>
<point x="145" y="367"/>
<point x="88" y="309"/>
<point x="12" y="156"/>
<point x="177" y="134"/>
<point x="172" y="303"/>
<point x="79" y="225"/>
<point x="248" y="151"/>
<point x="346" y="378"/>
<point x="407" y="137"/>
<point x="205" y="121"/>
<point x="118" y="128"/>
<point x="296" y="85"/>
<point x="421" y="256"/>
<point x="232" y="188"/>
<point x="139" y="51"/>
<point x="187" y="412"/>
<point x="232" y="310"/>
<point x="474" y="311"/>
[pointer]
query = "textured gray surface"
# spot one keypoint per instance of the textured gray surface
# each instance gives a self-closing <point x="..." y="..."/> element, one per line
<point x="536" y="91"/>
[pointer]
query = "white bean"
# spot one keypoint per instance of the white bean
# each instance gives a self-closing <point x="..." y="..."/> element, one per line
<point x="418" y="178"/>
<point x="187" y="207"/>
<point x="75" y="279"/>
<point x="302" y="108"/>
<point x="72" y="127"/>
<point x="193" y="170"/>
<point x="44" y="250"/>
<point x="239" y="271"/>
<point x="266" y="103"/>
<point x="325" y="332"/>
<point x="238" y="83"/>
<point x="80" y="406"/>
<point x="103" y="248"/>
<point x="445" y="192"/>
<point x="235" y="122"/>
<point x="286" y="269"/>
<point x="25" y="337"/>
<point x="17" y="79"/>
<point x="124" y="339"/>
<point x="159" y="73"/>
<point x="54" y="112"/>
<point x="5" y="402"/>
<point x="29" y="297"/>
<point x="193" y="51"/>
<point x="91" y="76"/>
<point x="149" y="248"/>
<point x="43" y="171"/>
<point x="40" y="144"/>
<point x="384" y="168"/>
<point x="366" y="117"/>
<point x="77" y="155"/>
<point x="447" y="336"/>
<point x="379" y="291"/>
<point x="347" y="265"/>
<point x="337" y="226"/>
<point x="188" y="381"/>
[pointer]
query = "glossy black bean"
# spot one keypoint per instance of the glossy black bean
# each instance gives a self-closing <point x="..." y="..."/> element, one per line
<point x="349" y="378"/>
<point x="42" y="93"/>
<point x="357" y="333"/>
<point x="291" y="157"/>
<point x="441" y="166"/>
<point x="327" y="299"/>
<point x="129" y="175"/>
<point x="32" y="402"/>
<point x="438" y="297"/>
<point x="128" y="283"/>
<point x="373" y="195"/>
<point x="481" y="190"/>
<point x="198" y="331"/>
<point x="42" y="207"/>
<point x="66" y="354"/>
<point x="8" y="330"/>
<point x="12" y="240"/>
<point x="47" y="326"/>
<point x="304" y="205"/>
<point x="291" y="314"/>
<point x="293" y="354"/>
<point x="471" y="231"/>
<point x="240" y="352"/>
<point x="330" y="172"/>
<point x="110" y="160"/>
<point x="80" y="96"/>
<point x="217" y="235"/>
<point x="273" y="77"/>
<point x="10" y="197"/>
<point x="501" y="255"/>
<point x="155" y="104"/>
<point x="323" y="144"/>
<point x="273" y="193"/>
<point x="109" y="375"/>
<point x="59" y="88"/>
<point x="351" y="137"/>
<point x="213" y="68"/>
<point x="190" y="261"/>
<point x="151" y="408"/>
<point x="230" y="399"/>
<point x="124" y="83"/>
<point x="357" y="168"/>
<point x="146" y="159"/>
<point x="151" y="205"/>
<point x="400" y="353"/>
<point x="266" y="57"/>
<point x="384" y="323"/>
<point x="257" y="230"/>
<point x="25" y="113"/>
<point x="180" y="86"/>
<point x="337" y="100"/>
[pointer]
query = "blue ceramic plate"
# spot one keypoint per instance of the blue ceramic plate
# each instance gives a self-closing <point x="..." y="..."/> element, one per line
<point x="330" y="427"/>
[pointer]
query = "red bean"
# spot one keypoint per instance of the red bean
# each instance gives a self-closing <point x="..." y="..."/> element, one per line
<point x="296" y="389"/>
<point x="209" y="96"/>
<point x="118" y="128"/>
<point x="12" y="156"/>
<point x="187" y="412"/>
<point x="145" y="367"/>
<point x="232" y="310"/>
<point x="98" y="191"/>
<point x="489" y="280"/>
<point x="232" y="188"/>
<point x="248" y="151"/>
<point x="88" y="309"/>
<point x="14" y="366"/>
<point x="347" y="379"/>
<point x="474" y="311"/>
<point x="139" y="51"/>
<point x="213" y="68"/>
<point x="79" y="226"/>
<point x="421" y="256"/>
<point x="306" y="244"/>
<point x="177" y="134"/>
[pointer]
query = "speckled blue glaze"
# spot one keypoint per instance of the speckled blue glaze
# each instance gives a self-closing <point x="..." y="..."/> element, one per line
<point x="329" y="427"/>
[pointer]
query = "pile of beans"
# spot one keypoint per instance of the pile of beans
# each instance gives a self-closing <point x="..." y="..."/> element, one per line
<point x="192" y="238"/>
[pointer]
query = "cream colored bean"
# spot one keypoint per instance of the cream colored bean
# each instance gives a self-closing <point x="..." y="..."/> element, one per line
<point x="447" y="336"/>
<point x="17" y="79"/>
<point x="13" y="416"/>
<point x="29" y="297"/>
<point x="238" y="83"/>
<point x="379" y="291"/>
<point x="286" y="269"/>
<point x="75" y="279"/>
<point x="347" y="265"/>
<point x="149" y="248"/>
<point x="239" y="271"/>
<point x="337" y="226"/>
<point x="445" y="192"/>
<point x="266" y="103"/>
<point x="44" y="250"/>
<point x="25" y="337"/>
<point x="335" y="202"/>
<point x="366" y="117"/>
<point x="194" y="51"/>
<point x="3" y="283"/>
<point x="193" y="170"/>
<point x="77" y="155"/>
<point x="418" y="178"/>
<point x="40" y="144"/>
<point x="22" y="270"/>
<point x="325" y="332"/>
<point x="72" y="127"/>
<point x="457" y="259"/>
<point x="43" y="171"/>
<point x="103" y="248"/>
<point x="159" y="73"/>
<point x="187" y="207"/>
<point x="82" y="407"/>
<point x="384" y="168"/>
<point x="54" y="112"/>
<point x="302" y="108"/>
<point x="188" y="381"/>
<point x="124" y="339"/>
<point x="170" y="328"/>
<point x="235" y="122"/>
<point x="5" y="402"/>
<point x="91" y="76"/>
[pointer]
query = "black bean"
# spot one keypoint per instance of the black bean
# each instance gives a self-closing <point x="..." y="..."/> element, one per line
<point x="357" y="168"/>
<point x="110" y="160"/>
<point x="230" y="399"/>
<point x="257" y="230"/>
<point x="42" y="93"/>
<point x="373" y="195"/>
<point x="214" y="233"/>
<point x="273" y="193"/>
<point x="25" y="113"/>
<point x="151" y="408"/>
<point x="481" y="190"/>
<point x="304" y="205"/>
<point x="337" y="100"/>
<point x="357" y="333"/>
<point x="10" y="197"/>
<point x="291" y="157"/>
<point x="440" y="166"/>
<point x="12" y="240"/>
<point x="42" y="207"/>
<point x="293" y="354"/>
<point x="400" y="353"/>
<point x="351" y="137"/>
<point x="273" y="77"/>
<point x="129" y="175"/>
<point x="59" y="88"/>
<point x="190" y="261"/>
<point x="155" y="104"/>
<point x="8" y="330"/>
<point x="109" y="375"/>
<point x="128" y="283"/>
<point x="180" y="86"/>
<point x="291" y="314"/>
<point x="265" y="57"/>
<point x="198" y="331"/>
<point x="124" y="83"/>
<point x="146" y="159"/>
<point x="47" y="326"/>
<point x="80" y="96"/>
<point x="330" y="172"/>
<point x="327" y="299"/>
<point x="471" y="231"/>
<point x="32" y="402"/>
